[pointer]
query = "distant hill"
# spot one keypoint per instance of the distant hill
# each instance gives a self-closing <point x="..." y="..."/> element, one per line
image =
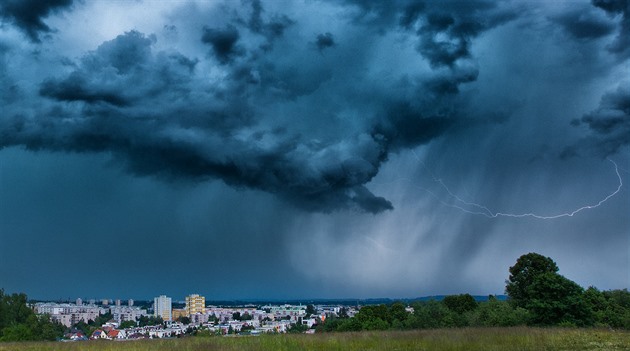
<point x="344" y="301"/>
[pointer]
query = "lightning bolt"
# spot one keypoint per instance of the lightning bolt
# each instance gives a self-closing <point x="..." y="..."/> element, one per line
<point x="485" y="211"/>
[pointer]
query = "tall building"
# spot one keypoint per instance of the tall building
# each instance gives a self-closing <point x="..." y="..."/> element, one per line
<point x="162" y="307"/>
<point x="195" y="304"/>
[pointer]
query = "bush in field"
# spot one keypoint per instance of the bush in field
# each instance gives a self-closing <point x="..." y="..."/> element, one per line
<point x="433" y="314"/>
<point x="495" y="313"/>
<point x="460" y="303"/>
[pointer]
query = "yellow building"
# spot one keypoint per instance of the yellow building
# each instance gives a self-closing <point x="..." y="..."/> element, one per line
<point x="195" y="304"/>
<point x="179" y="313"/>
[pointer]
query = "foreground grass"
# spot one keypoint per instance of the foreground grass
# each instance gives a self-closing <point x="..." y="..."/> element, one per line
<point x="469" y="339"/>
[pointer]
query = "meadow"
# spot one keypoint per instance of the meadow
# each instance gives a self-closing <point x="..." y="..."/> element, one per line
<point x="469" y="339"/>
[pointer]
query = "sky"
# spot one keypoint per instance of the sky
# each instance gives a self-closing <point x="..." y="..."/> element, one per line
<point x="310" y="148"/>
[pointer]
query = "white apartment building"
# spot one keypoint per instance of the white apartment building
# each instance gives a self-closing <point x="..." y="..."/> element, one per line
<point x="69" y="314"/>
<point x="126" y="313"/>
<point x="162" y="307"/>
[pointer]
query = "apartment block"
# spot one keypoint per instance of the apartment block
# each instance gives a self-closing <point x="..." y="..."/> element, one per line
<point x="162" y="307"/>
<point x="195" y="304"/>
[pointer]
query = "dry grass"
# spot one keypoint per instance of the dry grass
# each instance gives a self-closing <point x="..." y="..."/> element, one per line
<point x="469" y="339"/>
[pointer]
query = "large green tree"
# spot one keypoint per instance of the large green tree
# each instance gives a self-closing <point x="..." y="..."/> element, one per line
<point x="523" y="274"/>
<point x="555" y="299"/>
<point x="18" y="321"/>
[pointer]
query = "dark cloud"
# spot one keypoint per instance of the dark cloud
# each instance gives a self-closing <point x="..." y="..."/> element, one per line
<point x="368" y="202"/>
<point x="445" y="37"/>
<point x="444" y="32"/>
<point x="28" y="15"/>
<point x="408" y="126"/>
<point x="583" y="24"/>
<point x="609" y="123"/>
<point x="621" y="44"/>
<point x="271" y="29"/>
<point x="76" y="88"/>
<point x="324" y="40"/>
<point x="446" y="84"/>
<point x="410" y="14"/>
<point x="223" y="43"/>
<point x="142" y="107"/>
<point x="445" y="29"/>
<point x="156" y="116"/>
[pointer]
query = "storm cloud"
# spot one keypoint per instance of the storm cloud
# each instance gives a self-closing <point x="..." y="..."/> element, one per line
<point x="154" y="112"/>
<point x="223" y="43"/>
<point x="621" y="44"/>
<point x="321" y="148"/>
<point x="609" y="123"/>
<point x="324" y="40"/>
<point x="28" y="15"/>
<point x="585" y="24"/>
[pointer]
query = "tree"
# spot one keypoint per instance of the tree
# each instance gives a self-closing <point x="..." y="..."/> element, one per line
<point x="18" y="321"/>
<point x="128" y="324"/>
<point x="144" y="321"/>
<point x="343" y="312"/>
<point x="102" y="319"/>
<point x="610" y="308"/>
<point x="298" y="328"/>
<point x="17" y="332"/>
<point x="398" y="312"/>
<point x="16" y="308"/>
<point x="310" y="310"/>
<point x="523" y="274"/>
<point x="554" y="299"/>
<point x="495" y="313"/>
<point x="85" y="328"/>
<point x="183" y="319"/>
<point x="460" y="303"/>
<point x="431" y="314"/>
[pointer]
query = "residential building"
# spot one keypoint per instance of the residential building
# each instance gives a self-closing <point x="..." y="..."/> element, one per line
<point x="195" y="304"/>
<point x="178" y="313"/>
<point x="162" y="307"/>
<point x="69" y="314"/>
<point x="126" y="313"/>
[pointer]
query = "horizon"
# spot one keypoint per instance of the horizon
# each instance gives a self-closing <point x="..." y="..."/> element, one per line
<point x="286" y="301"/>
<point x="311" y="148"/>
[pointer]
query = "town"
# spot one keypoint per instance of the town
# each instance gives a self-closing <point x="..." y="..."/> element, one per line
<point x="115" y="320"/>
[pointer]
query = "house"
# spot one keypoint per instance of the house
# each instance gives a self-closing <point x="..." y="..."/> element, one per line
<point x="98" y="334"/>
<point x="309" y="322"/>
<point x="116" y="334"/>
<point x="75" y="335"/>
<point x="136" y="335"/>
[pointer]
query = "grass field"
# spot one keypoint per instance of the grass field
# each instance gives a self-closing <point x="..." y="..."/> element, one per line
<point x="469" y="339"/>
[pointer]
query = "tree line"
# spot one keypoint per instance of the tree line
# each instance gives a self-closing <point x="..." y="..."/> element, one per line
<point x="537" y="296"/>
